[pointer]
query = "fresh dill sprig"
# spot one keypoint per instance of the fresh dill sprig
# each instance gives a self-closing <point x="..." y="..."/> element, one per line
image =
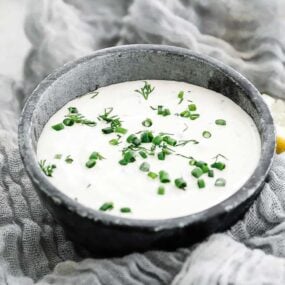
<point x="145" y="90"/>
<point x="47" y="168"/>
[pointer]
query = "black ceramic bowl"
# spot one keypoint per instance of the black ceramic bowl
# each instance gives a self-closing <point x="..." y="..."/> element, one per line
<point x="110" y="235"/>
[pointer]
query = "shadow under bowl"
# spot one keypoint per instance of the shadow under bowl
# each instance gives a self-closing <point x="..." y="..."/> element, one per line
<point x="104" y="234"/>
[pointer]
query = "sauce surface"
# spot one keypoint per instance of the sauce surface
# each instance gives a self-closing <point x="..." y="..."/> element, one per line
<point x="236" y="145"/>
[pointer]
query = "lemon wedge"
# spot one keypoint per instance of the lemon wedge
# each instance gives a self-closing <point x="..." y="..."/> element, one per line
<point x="277" y="108"/>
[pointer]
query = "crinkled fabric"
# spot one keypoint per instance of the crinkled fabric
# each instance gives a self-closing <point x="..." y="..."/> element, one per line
<point x="244" y="34"/>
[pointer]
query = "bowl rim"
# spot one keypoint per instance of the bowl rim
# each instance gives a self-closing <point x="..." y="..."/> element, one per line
<point x="247" y="191"/>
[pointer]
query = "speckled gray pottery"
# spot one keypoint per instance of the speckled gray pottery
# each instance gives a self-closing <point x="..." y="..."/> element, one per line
<point x="102" y="233"/>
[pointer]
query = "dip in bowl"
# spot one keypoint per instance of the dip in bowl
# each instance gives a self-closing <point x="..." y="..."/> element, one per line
<point x="141" y="147"/>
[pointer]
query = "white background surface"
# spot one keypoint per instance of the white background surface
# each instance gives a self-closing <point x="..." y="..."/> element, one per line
<point x="13" y="43"/>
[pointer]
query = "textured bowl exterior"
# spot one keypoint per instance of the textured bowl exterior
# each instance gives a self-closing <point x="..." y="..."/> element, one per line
<point x="102" y="233"/>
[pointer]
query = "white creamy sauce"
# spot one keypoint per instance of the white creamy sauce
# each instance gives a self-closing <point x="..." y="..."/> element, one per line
<point x="128" y="186"/>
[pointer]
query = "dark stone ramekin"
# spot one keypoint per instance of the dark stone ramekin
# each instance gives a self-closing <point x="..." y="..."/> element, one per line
<point x="105" y="234"/>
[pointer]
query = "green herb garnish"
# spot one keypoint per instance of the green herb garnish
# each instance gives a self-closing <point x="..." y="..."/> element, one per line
<point x="197" y="172"/>
<point x="94" y="156"/>
<point x="201" y="183"/>
<point x="180" y="183"/>
<point x="143" y="154"/>
<point x="107" y="130"/>
<point x="145" y="167"/>
<point x="115" y="141"/>
<point x="47" y="169"/>
<point x="147" y="123"/>
<point x="68" y="159"/>
<point x="152" y="175"/>
<point x="220" y="182"/>
<point x="161" y="190"/>
<point x="211" y="173"/>
<point x="90" y="163"/>
<point x="58" y="127"/>
<point x="157" y="140"/>
<point x="192" y="107"/>
<point x="194" y="116"/>
<point x="218" y="165"/>
<point x="68" y="122"/>
<point x="125" y="210"/>
<point x="163" y="111"/>
<point x="180" y="96"/>
<point x="169" y="140"/>
<point x="145" y="90"/>
<point x="146" y="137"/>
<point x="220" y="122"/>
<point x="164" y="177"/>
<point x="206" y="134"/>
<point x="107" y="206"/>
<point x="58" y="156"/>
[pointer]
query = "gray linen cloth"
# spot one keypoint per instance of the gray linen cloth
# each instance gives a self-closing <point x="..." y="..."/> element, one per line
<point x="244" y="34"/>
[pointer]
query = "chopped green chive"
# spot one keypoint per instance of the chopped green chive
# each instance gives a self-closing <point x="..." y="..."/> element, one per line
<point x="201" y="183"/>
<point x="220" y="182"/>
<point x="129" y="157"/>
<point x="123" y="162"/>
<point x="161" y="190"/>
<point x="197" y="172"/>
<point x="72" y="110"/>
<point x="125" y="210"/>
<point x="163" y="111"/>
<point x="120" y="130"/>
<point x="192" y="161"/>
<point x="211" y="173"/>
<point x="218" y="165"/>
<point x="143" y="154"/>
<point x="115" y="141"/>
<point x="185" y="114"/>
<point x="146" y="137"/>
<point x="107" y="206"/>
<point x="90" y="163"/>
<point x="169" y="140"/>
<point x="206" y="134"/>
<point x="220" y="122"/>
<point x="205" y="168"/>
<point x="145" y="90"/>
<point x="200" y="163"/>
<point x="152" y="175"/>
<point x="68" y="122"/>
<point x="96" y="155"/>
<point x="131" y="137"/>
<point x="147" y="123"/>
<point x="164" y="177"/>
<point x="145" y="167"/>
<point x="157" y="140"/>
<point x="180" y="96"/>
<point x="47" y="169"/>
<point x="161" y="155"/>
<point x="192" y="107"/>
<point x="180" y="183"/>
<point x="194" y="116"/>
<point x="58" y="127"/>
<point x="68" y="159"/>
<point x="58" y="156"/>
<point x="107" y="130"/>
